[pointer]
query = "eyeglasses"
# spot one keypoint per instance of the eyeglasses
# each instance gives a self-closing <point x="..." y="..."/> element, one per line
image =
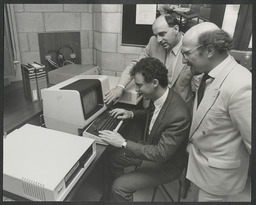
<point x="187" y="53"/>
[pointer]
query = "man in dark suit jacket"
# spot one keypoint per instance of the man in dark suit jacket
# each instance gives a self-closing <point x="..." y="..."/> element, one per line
<point x="162" y="156"/>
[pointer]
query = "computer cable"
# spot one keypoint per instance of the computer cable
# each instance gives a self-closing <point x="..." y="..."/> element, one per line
<point x="66" y="62"/>
<point x="99" y="70"/>
<point x="53" y="65"/>
<point x="60" y="58"/>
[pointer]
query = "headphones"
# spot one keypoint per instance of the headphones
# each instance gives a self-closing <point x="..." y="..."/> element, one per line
<point x="61" y="61"/>
<point x="60" y="57"/>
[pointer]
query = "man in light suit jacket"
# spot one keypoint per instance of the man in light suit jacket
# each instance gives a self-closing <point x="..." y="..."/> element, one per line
<point x="162" y="156"/>
<point x="165" y="45"/>
<point x="220" y="135"/>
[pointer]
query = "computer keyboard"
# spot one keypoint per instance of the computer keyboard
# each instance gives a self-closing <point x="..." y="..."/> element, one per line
<point x="106" y="122"/>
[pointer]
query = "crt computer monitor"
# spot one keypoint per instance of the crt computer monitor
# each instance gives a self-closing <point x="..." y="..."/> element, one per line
<point x="73" y="104"/>
<point x="90" y="93"/>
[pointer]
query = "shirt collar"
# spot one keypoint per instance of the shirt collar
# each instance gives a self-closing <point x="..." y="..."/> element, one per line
<point x="177" y="48"/>
<point x="215" y="71"/>
<point x="160" y="101"/>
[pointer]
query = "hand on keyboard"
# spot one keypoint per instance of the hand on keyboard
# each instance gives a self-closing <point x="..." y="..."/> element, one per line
<point x="112" y="137"/>
<point x="107" y="122"/>
<point x="121" y="113"/>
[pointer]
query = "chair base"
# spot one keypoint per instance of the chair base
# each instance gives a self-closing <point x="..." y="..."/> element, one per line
<point x="167" y="193"/>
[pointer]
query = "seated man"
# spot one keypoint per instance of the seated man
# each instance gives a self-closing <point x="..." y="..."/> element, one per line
<point x="161" y="156"/>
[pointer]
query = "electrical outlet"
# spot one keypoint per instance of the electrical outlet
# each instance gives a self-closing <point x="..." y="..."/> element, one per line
<point x="72" y="55"/>
<point x="48" y="57"/>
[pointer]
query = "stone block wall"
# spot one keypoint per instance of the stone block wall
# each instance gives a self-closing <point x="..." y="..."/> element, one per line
<point x="109" y="54"/>
<point x="34" y="18"/>
<point x="100" y="26"/>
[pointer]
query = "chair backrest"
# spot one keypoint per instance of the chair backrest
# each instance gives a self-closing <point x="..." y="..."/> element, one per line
<point x="243" y="57"/>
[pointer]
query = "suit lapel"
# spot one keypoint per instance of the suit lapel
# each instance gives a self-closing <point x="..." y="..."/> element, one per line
<point x="178" y="68"/>
<point x="206" y="103"/>
<point x="160" y="115"/>
<point x="209" y="98"/>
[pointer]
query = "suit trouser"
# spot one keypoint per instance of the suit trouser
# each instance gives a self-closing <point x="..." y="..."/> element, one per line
<point x="204" y="196"/>
<point x="148" y="174"/>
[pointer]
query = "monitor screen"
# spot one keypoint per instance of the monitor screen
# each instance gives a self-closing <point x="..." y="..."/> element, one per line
<point x="90" y="93"/>
<point x="90" y="102"/>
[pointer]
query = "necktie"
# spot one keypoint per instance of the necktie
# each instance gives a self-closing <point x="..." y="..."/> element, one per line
<point x="201" y="88"/>
<point x="149" y="117"/>
<point x="151" y="111"/>
<point x="169" y="65"/>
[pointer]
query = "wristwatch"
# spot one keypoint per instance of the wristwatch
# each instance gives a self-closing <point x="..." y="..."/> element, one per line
<point x="124" y="144"/>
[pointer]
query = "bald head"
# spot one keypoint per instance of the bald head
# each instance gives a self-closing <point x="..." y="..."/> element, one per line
<point x="159" y="20"/>
<point x="204" y="46"/>
<point x="194" y="32"/>
<point x="167" y="19"/>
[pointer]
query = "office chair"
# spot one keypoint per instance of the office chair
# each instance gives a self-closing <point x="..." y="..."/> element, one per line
<point x="166" y="192"/>
<point x="183" y="186"/>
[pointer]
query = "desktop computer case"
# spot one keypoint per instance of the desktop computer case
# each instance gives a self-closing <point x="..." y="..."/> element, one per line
<point x="37" y="162"/>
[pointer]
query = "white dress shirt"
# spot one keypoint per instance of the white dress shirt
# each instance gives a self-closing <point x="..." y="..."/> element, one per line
<point x="158" y="105"/>
<point x="172" y="58"/>
<point x="215" y="71"/>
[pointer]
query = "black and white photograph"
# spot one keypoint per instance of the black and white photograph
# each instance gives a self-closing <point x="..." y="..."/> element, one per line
<point x="127" y="102"/>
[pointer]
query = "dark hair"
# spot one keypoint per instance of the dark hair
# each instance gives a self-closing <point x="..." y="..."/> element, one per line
<point x="220" y="39"/>
<point x="171" y="20"/>
<point x="151" y="68"/>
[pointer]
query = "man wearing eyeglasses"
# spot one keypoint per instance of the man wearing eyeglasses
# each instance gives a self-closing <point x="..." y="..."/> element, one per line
<point x="220" y="135"/>
<point x="165" y="45"/>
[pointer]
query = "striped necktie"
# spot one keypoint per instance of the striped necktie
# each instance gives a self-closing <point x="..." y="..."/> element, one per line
<point x="169" y="65"/>
<point x="201" y="88"/>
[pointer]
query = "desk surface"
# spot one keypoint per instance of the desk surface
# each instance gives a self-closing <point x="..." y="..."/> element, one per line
<point x="18" y="110"/>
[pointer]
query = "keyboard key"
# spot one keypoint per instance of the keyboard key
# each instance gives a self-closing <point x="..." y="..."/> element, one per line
<point x="106" y="122"/>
